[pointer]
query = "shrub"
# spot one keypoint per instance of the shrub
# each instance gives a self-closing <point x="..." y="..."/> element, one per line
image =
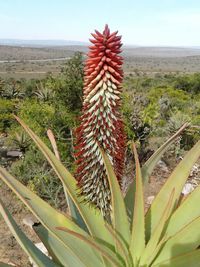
<point x="69" y="94"/>
<point x="36" y="174"/>
<point x="6" y="109"/>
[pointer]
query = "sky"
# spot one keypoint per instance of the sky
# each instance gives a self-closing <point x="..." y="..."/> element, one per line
<point x="140" y="22"/>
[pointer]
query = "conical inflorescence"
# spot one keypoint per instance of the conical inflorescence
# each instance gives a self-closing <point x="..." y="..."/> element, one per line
<point x="101" y="123"/>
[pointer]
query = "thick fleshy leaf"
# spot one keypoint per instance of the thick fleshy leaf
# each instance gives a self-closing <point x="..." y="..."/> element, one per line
<point x="107" y="253"/>
<point x="122" y="245"/>
<point x="151" y="248"/>
<point x="186" y="240"/>
<point x="31" y="250"/>
<point x="191" y="259"/>
<point x="54" y="246"/>
<point x="150" y="164"/>
<point x="72" y="210"/>
<point x="185" y="213"/>
<point x="118" y="213"/>
<point x="176" y="180"/>
<point x="2" y="264"/>
<point x="92" y="218"/>
<point x="137" y="244"/>
<point x="148" y="167"/>
<point x="51" y="219"/>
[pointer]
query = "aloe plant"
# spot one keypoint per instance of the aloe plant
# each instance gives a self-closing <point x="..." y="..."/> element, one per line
<point x="101" y="123"/>
<point x="167" y="235"/>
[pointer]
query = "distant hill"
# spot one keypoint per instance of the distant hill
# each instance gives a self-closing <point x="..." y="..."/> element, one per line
<point x="40" y="43"/>
<point x="22" y="50"/>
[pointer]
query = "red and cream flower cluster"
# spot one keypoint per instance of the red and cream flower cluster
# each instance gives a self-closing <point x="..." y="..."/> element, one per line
<point x="101" y="123"/>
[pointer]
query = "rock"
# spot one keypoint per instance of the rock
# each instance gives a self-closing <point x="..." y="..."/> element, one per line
<point x="11" y="263"/>
<point x="28" y="221"/>
<point x="195" y="170"/>
<point x="41" y="247"/>
<point x="150" y="199"/>
<point x="14" y="154"/>
<point x="163" y="166"/>
<point x="187" y="189"/>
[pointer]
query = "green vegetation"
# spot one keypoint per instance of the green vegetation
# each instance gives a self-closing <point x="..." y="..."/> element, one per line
<point x="50" y="103"/>
<point x="153" y="108"/>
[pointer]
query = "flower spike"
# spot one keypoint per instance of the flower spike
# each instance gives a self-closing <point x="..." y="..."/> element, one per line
<point x="101" y="123"/>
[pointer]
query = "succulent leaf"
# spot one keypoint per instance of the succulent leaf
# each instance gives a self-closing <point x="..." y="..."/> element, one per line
<point x="152" y="245"/>
<point x="92" y="218"/>
<point x="119" y="216"/>
<point x="185" y="260"/>
<point x="50" y="218"/>
<point x="137" y="244"/>
<point x="185" y="213"/>
<point x="186" y="240"/>
<point x="55" y="248"/>
<point x="31" y="250"/>
<point x="2" y="264"/>
<point x="176" y="180"/>
<point x="148" y="167"/>
<point x="72" y="210"/>
<point x="150" y="164"/>
<point x="108" y="254"/>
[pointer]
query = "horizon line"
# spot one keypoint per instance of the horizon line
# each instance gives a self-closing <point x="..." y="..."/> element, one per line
<point x="87" y="43"/>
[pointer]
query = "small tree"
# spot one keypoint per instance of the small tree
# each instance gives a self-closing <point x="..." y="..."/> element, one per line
<point x="70" y="92"/>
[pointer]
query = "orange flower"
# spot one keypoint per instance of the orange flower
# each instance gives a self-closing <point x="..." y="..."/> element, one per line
<point x="101" y="123"/>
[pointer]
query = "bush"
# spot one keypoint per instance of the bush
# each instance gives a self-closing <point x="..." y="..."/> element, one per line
<point x="36" y="174"/>
<point x="6" y="118"/>
<point x="189" y="83"/>
<point x="70" y="92"/>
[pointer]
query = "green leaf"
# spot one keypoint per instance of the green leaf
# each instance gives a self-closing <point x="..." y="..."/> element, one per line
<point x="118" y="214"/>
<point x="122" y="245"/>
<point x="51" y="219"/>
<point x="150" y="164"/>
<point x="191" y="259"/>
<point x="31" y="250"/>
<point x="2" y="264"/>
<point x="176" y="180"/>
<point x="92" y="217"/>
<point x="148" y="167"/>
<point x="186" y="240"/>
<point x="185" y="213"/>
<point x="137" y="244"/>
<point x="107" y="253"/>
<point x="54" y="246"/>
<point x="73" y="212"/>
<point x="151" y="249"/>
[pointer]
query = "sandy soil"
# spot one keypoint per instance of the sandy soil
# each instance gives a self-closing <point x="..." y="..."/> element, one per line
<point x="10" y="251"/>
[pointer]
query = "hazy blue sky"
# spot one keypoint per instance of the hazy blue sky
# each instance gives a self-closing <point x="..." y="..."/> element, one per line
<point x="143" y="22"/>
